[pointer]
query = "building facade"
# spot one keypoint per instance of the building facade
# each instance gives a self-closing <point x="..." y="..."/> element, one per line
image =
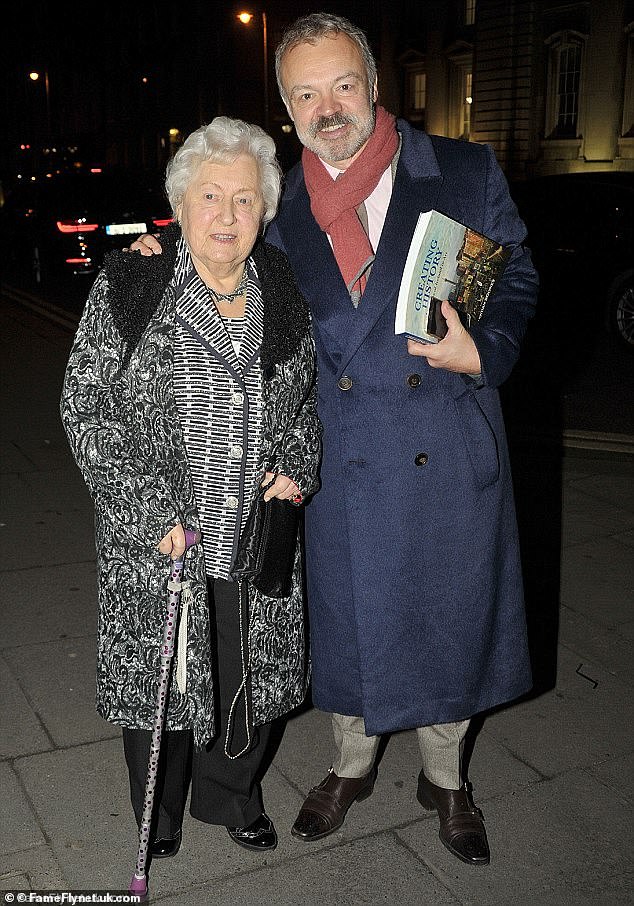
<point x="550" y="85"/>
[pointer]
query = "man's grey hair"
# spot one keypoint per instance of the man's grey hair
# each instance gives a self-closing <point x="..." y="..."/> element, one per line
<point x="222" y="140"/>
<point x="309" y="29"/>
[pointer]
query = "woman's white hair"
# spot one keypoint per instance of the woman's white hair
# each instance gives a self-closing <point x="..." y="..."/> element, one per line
<point x="222" y="140"/>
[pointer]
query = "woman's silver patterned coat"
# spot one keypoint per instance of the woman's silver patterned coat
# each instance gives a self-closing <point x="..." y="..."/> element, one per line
<point x="120" y="415"/>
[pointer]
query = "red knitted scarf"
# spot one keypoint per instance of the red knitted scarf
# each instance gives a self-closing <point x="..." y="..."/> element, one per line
<point x="333" y="202"/>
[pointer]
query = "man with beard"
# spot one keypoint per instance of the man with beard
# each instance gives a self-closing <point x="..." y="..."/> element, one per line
<point x="414" y="581"/>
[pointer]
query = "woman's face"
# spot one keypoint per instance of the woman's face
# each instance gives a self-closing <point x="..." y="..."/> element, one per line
<point x="221" y="213"/>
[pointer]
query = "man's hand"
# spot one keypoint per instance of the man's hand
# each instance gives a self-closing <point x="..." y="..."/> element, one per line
<point x="283" y="487"/>
<point x="173" y="544"/>
<point x="456" y="352"/>
<point x="147" y="244"/>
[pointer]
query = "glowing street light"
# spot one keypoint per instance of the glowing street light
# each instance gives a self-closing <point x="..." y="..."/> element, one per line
<point x="34" y="77"/>
<point x="246" y="17"/>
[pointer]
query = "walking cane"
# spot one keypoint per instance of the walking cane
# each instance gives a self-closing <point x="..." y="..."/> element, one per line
<point x="139" y="883"/>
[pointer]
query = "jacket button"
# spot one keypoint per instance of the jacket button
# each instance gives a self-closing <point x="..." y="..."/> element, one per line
<point x="345" y="382"/>
<point x="413" y="380"/>
<point x="421" y="459"/>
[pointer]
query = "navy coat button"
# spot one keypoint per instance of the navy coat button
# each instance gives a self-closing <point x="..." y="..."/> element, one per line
<point x="414" y="380"/>
<point x="421" y="459"/>
<point x="345" y="382"/>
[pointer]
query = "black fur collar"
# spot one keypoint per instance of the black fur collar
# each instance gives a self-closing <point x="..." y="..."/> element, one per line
<point x="136" y="285"/>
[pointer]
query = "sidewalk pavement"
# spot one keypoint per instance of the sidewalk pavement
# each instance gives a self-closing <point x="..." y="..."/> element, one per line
<point x="552" y="774"/>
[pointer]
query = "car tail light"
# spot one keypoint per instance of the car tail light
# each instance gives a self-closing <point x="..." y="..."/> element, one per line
<point x="79" y="261"/>
<point x="162" y="221"/>
<point x="76" y="226"/>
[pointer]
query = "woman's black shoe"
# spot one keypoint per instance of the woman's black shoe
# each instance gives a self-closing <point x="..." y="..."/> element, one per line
<point x="260" y="835"/>
<point x="166" y="847"/>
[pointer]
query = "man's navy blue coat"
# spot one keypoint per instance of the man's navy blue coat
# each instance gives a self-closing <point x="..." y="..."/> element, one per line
<point x="414" y="582"/>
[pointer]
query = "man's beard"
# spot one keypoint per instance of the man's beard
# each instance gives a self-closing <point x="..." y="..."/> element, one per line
<point x="345" y="147"/>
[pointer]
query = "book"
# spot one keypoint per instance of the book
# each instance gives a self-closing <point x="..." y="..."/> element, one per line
<point x="446" y="260"/>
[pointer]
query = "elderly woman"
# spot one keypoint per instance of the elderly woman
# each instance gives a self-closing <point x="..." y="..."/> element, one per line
<point x="191" y="383"/>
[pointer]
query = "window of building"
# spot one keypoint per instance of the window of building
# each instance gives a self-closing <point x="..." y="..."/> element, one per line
<point x="469" y="12"/>
<point x="415" y="91"/>
<point x="628" y="94"/>
<point x="568" y="90"/>
<point x="460" y="72"/>
<point x="467" y="100"/>
<point x="565" y="67"/>
<point x="419" y="91"/>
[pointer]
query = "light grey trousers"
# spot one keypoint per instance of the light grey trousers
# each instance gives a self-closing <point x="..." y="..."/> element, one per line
<point x="440" y="747"/>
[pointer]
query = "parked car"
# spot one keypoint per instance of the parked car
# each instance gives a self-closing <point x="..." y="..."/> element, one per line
<point x="63" y="225"/>
<point x="581" y="233"/>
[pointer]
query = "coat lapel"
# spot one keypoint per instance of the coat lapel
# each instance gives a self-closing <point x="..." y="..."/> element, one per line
<point x="411" y="194"/>
<point x="252" y="336"/>
<point x="315" y="268"/>
<point x="343" y="327"/>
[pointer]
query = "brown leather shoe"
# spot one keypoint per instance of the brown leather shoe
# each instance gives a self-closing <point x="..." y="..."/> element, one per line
<point x="325" y="807"/>
<point x="461" y="825"/>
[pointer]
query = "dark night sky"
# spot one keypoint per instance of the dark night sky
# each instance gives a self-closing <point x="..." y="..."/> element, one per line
<point x="199" y="61"/>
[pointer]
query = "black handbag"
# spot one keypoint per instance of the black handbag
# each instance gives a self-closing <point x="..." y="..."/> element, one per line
<point x="266" y="551"/>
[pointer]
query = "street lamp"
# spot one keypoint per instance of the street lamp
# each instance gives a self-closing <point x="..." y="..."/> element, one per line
<point x="34" y="76"/>
<point x="245" y="18"/>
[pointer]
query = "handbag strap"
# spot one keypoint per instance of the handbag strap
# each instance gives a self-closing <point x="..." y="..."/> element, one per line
<point x="246" y="669"/>
<point x="242" y="689"/>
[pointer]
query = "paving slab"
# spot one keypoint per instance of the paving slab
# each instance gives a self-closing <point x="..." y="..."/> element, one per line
<point x="81" y="798"/>
<point x="372" y="871"/>
<point x="616" y="489"/>
<point x="46" y="447"/>
<point x="31" y="869"/>
<point x="593" y="642"/>
<point x="615" y="772"/>
<point x="59" y="679"/>
<point x="585" y="516"/>
<point x="625" y="538"/>
<point x="577" y="853"/>
<point x="307" y="748"/>
<point x="48" y="538"/>
<point x="597" y="579"/>
<point x="21" y="730"/>
<point x="43" y="491"/>
<point x="12" y="459"/>
<point x="627" y="629"/>
<point x="19" y="828"/>
<point x="494" y="770"/>
<point x="46" y="603"/>
<point x="571" y="726"/>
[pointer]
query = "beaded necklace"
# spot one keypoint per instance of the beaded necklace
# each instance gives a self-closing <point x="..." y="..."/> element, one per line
<point x="238" y="291"/>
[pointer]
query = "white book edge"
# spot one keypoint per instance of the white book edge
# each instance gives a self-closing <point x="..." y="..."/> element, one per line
<point x="401" y="305"/>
